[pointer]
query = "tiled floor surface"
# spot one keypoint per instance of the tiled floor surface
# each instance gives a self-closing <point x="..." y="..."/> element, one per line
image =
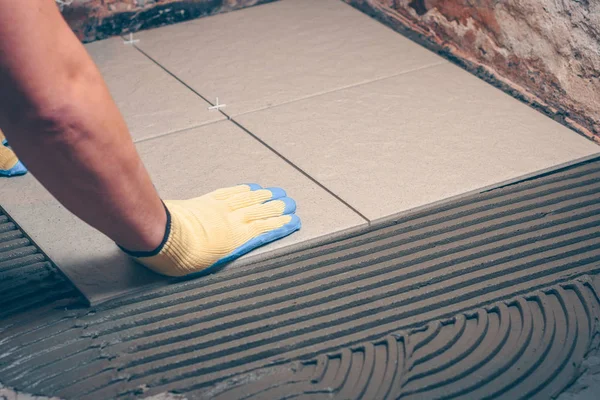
<point x="355" y="121"/>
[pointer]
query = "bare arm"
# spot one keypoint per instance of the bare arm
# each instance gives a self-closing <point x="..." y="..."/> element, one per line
<point x="57" y="113"/>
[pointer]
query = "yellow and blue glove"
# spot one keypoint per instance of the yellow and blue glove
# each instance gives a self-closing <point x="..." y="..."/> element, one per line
<point x="211" y="230"/>
<point x="9" y="163"/>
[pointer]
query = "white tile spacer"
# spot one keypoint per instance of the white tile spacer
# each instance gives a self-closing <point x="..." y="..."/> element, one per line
<point x="131" y="41"/>
<point x="63" y="3"/>
<point x="217" y="106"/>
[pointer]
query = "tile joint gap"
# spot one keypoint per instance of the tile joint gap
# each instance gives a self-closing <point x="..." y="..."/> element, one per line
<point x="351" y="86"/>
<point x="300" y="170"/>
<point x="159" y="136"/>
<point x="173" y="75"/>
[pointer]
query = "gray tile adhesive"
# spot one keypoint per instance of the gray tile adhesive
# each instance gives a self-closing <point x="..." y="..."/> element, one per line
<point x="493" y="295"/>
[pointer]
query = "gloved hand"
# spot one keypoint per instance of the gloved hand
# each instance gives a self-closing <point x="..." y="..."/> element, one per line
<point x="9" y="163"/>
<point x="219" y="227"/>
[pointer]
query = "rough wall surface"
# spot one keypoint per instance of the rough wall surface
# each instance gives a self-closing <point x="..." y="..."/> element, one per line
<point x="98" y="19"/>
<point x="546" y="52"/>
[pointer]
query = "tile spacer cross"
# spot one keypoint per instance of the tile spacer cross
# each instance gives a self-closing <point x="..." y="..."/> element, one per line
<point x="131" y="41"/>
<point x="217" y="106"/>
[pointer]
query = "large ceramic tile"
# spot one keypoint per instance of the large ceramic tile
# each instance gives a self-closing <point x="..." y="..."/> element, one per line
<point x="152" y="101"/>
<point x="183" y="165"/>
<point x="222" y="155"/>
<point x="418" y="138"/>
<point x="282" y="51"/>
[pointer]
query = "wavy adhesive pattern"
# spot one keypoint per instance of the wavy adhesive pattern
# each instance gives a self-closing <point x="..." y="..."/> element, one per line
<point x="528" y="347"/>
<point x="27" y="279"/>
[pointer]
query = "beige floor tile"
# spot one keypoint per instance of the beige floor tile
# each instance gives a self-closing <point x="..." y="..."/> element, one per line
<point x="282" y="51"/>
<point x="400" y="143"/>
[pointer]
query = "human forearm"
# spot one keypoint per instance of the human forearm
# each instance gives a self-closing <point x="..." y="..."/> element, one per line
<point x="60" y="117"/>
<point x="82" y="153"/>
<point x="64" y="125"/>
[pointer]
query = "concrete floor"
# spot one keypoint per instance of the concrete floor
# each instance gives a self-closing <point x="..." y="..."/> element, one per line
<point x="355" y="121"/>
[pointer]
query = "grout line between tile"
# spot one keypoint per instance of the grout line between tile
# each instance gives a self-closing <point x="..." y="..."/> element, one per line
<point x="289" y="162"/>
<point x="174" y="76"/>
<point x="300" y="170"/>
<point x="421" y="68"/>
<point x="161" y="135"/>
